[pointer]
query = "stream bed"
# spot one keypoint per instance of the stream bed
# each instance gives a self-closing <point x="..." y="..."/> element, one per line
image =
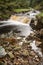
<point x="19" y="44"/>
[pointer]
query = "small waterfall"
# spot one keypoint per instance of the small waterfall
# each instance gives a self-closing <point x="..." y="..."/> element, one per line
<point x="24" y="28"/>
<point x="35" y="48"/>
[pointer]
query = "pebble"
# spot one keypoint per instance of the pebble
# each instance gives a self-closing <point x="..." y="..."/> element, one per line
<point x="17" y="48"/>
<point x="25" y="52"/>
<point x="3" y="36"/>
<point x="2" y="52"/>
<point x="20" y="43"/>
<point x="20" y="51"/>
<point x="37" y="59"/>
<point x="11" y="55"/>
<point x="38" y="43"/>
<point x="32" y="53"/>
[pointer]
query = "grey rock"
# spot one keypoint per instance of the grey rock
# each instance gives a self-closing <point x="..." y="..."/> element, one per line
<point x="2" y="52"/>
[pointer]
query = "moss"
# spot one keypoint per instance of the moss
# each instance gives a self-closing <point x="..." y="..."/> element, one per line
<point x="21" y="10"/>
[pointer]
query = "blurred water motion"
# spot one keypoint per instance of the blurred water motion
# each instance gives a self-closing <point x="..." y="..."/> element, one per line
<point x="22" y="28"/>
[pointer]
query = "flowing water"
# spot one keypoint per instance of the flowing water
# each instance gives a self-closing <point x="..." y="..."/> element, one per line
<point x="24" y="29"/>
<point x="21" y="29"/>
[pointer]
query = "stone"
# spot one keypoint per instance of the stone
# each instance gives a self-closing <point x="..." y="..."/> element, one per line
<point x="2" y="52"/>
<point x="25" y="20"/>
<point x="41" y="32"/>
<point x="18" y="38"/>
<point x="11" y="55"/>
<point x="24" y="62"/>
<point x="8" y="48"/>
<point x="20" y="43"/>
<point x="17" y="48"/>
<point x="14" y="17"/>
<point x="38" y="43"/>
<point x="25" y="52"/>
<point x="9" y="63"/>
<point x="32" y="53"/>
<point x="37" y="59"/>
<point x="2" y="36"/>
<point x="36" y="24"/>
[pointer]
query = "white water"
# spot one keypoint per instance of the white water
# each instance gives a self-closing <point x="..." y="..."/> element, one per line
<point x="24" y="28"/>
<point x="32" y="14"/>
<point x="35" y="48"/>
<point x="12" y="22"/>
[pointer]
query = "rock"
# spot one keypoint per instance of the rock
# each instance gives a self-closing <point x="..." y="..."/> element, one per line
<point x="25" y="20"/>
<point x="37" y="60"/>
<point x="19" y="38"/>
<point x="17" y="63"/>
<point x="11" y="55"/>
<point x="20" y="43"/>
<point x="23" y="62"/>
<point x="36" y="24"/>
<point x="14" y="17"/>
<point x="8" y="48"/>
<point x="9" y="63"/>
<point x="38" y="43"/>
<point x="32" y="53"/>
<point x="2" y="52"/>
<point x="36" y="56"/>
<point x="25" y="52"/>
<point x="17" y="48"/>
<point x="10" y="39"/>
<point x="32" y="24"/>
<point x="41" y="32"/>
<point x="2" y="36"/>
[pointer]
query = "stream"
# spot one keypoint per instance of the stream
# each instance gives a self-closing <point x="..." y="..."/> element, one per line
<point x="24" y="29"/>
<point x="21" y="29"/>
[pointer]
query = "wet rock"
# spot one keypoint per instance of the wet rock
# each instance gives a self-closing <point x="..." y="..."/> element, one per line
<point x="9" y="63"/>
<point x="23" y="62"/>
<point x="21" y="52"/>
<point x="19" y="38"/>
<point x="11" y="55"/>
<point x="17" y="48"/>
<point x="20" y="43"/>
<point x="36" y="24"/>
<point x="8" y="48"/>
<point x="38" y="43"/>
<point x="25" y="20"/>
<point x="41" y="33"/>
<point x="32" y="53"/>
<point x="3" y="36"/>
<point x="25" y="52"/>
<point x="2" y="52"/>
<point x="37" y="60"/>
<point x="17" y="63"/>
